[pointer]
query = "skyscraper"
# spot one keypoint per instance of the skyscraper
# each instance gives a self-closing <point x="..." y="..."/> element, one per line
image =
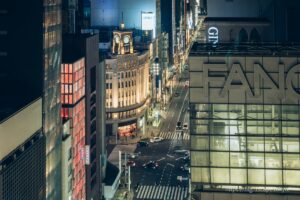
<point x="51" y="55"/>
<point x="30" y="56"/>
<point x="86" y="45"/>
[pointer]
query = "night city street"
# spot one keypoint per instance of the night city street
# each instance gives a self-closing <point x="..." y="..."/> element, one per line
<point x="150" y="99"/>
<point x="162" y="183"/>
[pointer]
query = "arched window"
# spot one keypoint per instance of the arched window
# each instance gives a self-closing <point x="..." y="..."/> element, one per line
<point x="242" y="36"/>
<point x="254" y="36"/>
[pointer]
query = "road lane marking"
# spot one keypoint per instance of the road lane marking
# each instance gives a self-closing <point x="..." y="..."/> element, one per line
<point x="161" y="192"/>
<point x="161" y="159"/>
<point x="182" y="106"/>
<point x="152" y="191"/>
<point x="179" y="158"/>
<point x="170" y="164"/>
<point x="140" y="191"/>
<point x="170" y="156"/>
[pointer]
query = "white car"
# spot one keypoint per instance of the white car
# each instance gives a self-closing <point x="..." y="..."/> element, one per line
<point x="185" y="126"/>
<point x="156" y="139"/>
<point x="181" y="151"/>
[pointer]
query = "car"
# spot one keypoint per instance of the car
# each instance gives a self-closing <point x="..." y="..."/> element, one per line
<point x="150" y="165"/>
<point x="178" y="126"/>
<point x="181" y="151"/>
<point x="176" y="94"/>
<point x="185" y="126"/>
<point x="185" y="167"/>
<point x="142" y="144"/>
<point x="134" y="155"/>
<point x="131" y="163"/>
<point x="156" y="139"/>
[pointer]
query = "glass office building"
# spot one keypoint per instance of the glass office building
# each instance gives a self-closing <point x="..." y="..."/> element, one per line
<point x="245" y="119"/>
<point x="52" y="127"/>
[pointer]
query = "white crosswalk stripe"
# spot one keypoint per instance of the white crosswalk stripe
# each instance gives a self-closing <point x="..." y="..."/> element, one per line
<point x="161" y="192"/>
<point x="175" y="135"/>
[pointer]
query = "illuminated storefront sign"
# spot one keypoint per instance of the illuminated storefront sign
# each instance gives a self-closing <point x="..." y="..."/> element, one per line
<point x="213" y="35"/>
<point x="237" y="80"/>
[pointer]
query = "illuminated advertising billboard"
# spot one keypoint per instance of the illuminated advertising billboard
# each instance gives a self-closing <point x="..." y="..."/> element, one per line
<point x="148" y="21"/>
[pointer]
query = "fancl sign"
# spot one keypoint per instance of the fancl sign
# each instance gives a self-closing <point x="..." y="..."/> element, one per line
<point x="213" y="35"/>
<point x="256" y="84"/>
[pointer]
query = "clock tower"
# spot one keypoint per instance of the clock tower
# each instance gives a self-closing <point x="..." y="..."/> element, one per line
<point x="122" y="42"/>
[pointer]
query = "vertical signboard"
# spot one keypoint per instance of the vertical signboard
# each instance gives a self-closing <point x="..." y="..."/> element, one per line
<point x="148" y="22"/>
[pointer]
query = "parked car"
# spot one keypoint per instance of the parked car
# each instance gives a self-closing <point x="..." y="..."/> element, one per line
<point x="142" y="144"/>
<point x="156" y="139"/>
<point x="176" y="94"/>
<point x="178" y="126"/>
<point x="150" y="165"/>
<point x="181" y="151"/>
<point x="185" y="126"/>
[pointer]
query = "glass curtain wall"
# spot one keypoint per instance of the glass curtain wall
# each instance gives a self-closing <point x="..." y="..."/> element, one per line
<point x="51" y="98"/>
<point x="245" y="146"/>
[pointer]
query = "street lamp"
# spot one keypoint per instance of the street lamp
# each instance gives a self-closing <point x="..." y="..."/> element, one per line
<point x="156" y="78"/>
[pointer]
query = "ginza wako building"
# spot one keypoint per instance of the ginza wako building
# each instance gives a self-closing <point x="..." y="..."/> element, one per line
<point x="245" y="119"/>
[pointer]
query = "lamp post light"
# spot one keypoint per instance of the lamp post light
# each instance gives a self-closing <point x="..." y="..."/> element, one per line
<point x="156" y="84"/>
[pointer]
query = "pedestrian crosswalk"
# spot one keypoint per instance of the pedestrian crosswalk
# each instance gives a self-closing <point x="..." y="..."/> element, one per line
<point x="161" y="192"/>
<point x="175" y="135"/>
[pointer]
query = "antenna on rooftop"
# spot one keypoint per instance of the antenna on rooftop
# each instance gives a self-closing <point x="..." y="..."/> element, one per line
<point x="122" y="25"/>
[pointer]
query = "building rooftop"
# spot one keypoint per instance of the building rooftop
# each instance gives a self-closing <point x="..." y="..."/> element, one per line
<point x="253" y="49"/>
<point x="247" y="20"/>
<point x="21" y="125"/>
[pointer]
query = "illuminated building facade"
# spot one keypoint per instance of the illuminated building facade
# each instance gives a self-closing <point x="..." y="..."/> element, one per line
<point x="86" y="45"/>
<point x="245" y="120"/>
<point x="127" y="86"/>
<point x="52" y="50"/>
<point x="73" y="109"/>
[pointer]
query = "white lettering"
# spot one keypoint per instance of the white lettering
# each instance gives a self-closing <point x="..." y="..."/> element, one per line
<point x="286" y="86"/>
<point x="213" y="35"/>
<point x="236" y="80"/>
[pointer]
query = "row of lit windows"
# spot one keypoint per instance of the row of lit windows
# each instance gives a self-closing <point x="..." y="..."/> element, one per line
<point x="73" y="98"/>
<point x="127" y="74"/>
<point x="245" y="127"/>
<point x="227" y="111"/>
<point x="122" y="84"/>
<point x="245" y="160"/>
<point x="52" y="18"/>
<point x="121" y="115"/>
<point x="71" y="68"/>
<point x="126" y="84"/>
<point x="246" y="176"/>
<point x="121" y="94"/>
<point x="121" y="103"/>
<point x="245" y="144"/>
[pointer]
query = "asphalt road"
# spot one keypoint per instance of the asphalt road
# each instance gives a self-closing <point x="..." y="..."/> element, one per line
<point x="162" y="183"/>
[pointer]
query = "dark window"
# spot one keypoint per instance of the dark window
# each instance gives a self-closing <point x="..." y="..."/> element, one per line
<point x="93" y="79"/>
